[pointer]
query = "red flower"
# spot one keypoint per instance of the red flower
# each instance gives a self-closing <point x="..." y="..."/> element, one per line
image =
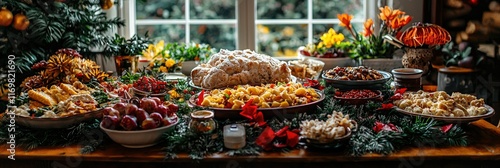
<point x="268" y="138"/>
<point x="379" y="126"/>
<point x="386" y="106"/>
<point x="249" y="111"/>
<point x="446" y="128"/>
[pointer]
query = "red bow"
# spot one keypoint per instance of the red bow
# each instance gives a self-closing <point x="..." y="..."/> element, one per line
<point x="249" y="111"/>
<point x="268" y="136"/>
<point x="399" y="94"/>
<point x="379" y="126"/>
<point x="201" y="96"/>
<point x="386" y="106"/>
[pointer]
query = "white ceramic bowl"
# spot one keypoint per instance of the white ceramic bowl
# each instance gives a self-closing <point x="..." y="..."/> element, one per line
<point x="138" y="138"/>
<point x="407" y="73"/>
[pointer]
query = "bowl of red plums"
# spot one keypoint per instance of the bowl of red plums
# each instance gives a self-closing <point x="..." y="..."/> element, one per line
<point x="141" y="124"/>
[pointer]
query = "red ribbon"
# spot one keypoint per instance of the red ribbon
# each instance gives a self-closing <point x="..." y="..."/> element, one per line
<point x="201" y="96"/>
<point x="268" y="136"/>
<point x="249" y="111"/>
<point x="379" y="126"/>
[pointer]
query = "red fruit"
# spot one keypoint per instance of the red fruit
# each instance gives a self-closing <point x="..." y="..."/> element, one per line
<point x="148" y="104"/>
<point x="107" y="110"/>
<point x="173" y="108"/>
<point x="110" y="122"/>
<point x="115" y="113"/>
<point x="328" y="55"/>
<point x="120" y="107"/>
<point x="129" y="122"/>
<point x="167" y="121"/>
<point x="131" y="108"/>
<point x="174" y="118"/>
<point x="141" y="115"/>
<point x="148" y="123"/>
<point x="157" y="118"/>
<point x="157" y="100"/>
<point x="164" y="111"/>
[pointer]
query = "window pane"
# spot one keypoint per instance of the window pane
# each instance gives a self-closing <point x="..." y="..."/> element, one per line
<point x="217" y="36"/>
<point x="169" y="33"/>
<point x="160" y="9"/>
<point x="328" y="9"/>
<point x="281" y="40"/>
<point x="281" y="9"/>
<point x="213" y="9"/>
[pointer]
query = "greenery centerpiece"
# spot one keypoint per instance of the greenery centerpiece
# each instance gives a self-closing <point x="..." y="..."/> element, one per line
<point x="126" y="51"/>
<point x="190" y="55"/>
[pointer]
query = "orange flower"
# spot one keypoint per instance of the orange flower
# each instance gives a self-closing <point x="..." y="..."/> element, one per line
<point x="387" y="14"/>
<point x="399" y="22"/>
<point x="345" y="20"/>
<point x="368" y="28"/>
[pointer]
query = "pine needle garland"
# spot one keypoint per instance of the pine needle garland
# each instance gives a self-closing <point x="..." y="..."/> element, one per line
<point x="86" y="134"/>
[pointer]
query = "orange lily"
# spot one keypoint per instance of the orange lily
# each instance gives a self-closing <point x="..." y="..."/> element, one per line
<point x="399" y="22"/>
<point x="345" y="20"/>
<point x="368" y="28"/>
<point x="387" y="14"/>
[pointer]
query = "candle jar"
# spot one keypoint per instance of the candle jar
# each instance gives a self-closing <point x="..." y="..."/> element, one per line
<point x="408" y="78"/>
<point x="202" y="121"/>
<point x="234" y="136"/>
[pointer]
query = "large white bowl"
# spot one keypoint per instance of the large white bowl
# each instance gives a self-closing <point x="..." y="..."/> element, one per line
<point x="138" y="138"/>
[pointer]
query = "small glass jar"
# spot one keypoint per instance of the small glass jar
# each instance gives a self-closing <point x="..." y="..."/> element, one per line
<point x="202" y="121"/>
<point x="234" y="136"/>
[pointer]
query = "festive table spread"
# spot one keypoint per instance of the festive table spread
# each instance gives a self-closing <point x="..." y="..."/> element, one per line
<point x="484" y="149"/>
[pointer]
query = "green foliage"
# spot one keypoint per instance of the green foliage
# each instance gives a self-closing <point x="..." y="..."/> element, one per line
<point x="87" y="134"/>
<point x="189" y="52"/>
<point x="119" y="46"/>
<point x="77" y="24"/>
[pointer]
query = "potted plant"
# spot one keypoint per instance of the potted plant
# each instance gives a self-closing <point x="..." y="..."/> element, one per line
<point x="367" y="46"/>
<point x="126" y="51"/>
<point x="331" y="50"/>
<point x="189" y="55"/>
<point x="457" y="66"/>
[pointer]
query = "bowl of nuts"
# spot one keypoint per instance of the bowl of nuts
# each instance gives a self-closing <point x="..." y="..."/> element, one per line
<point x="358" y="96"/>
<point x="333" y="132"/>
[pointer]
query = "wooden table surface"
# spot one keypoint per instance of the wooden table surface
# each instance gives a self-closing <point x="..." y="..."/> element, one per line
<point x="484" y="151"/>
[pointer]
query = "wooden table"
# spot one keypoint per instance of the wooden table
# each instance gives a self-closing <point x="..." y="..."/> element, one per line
<point x="484" y="151"/>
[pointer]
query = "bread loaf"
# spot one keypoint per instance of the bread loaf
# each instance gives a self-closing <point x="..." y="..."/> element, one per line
<point x="239" y="67"/>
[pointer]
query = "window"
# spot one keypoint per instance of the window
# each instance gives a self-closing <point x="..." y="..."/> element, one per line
<point x="273" y="27"/>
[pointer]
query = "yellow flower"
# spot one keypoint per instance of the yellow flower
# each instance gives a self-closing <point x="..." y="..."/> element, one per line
<point x="163" y="69"/>
<point x="154" y="50"/>
<point x="288" y="31"/>
<point x="331" y="38"/>
<point x="169" y="63"/>
<point x="173" y="94"/>
<point x="263" y="29"/>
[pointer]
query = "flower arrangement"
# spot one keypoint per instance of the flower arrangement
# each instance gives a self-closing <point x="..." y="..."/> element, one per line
<point x="366" y="44"/>
<point x="332" y="45"/>
<point x="159" y="58"/>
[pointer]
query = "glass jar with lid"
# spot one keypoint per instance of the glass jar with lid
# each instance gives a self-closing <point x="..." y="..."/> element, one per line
<point x="234" y="136"/>
<point x="202" y="121"/>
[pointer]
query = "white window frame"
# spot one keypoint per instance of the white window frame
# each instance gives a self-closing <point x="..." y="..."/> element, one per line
<point x="245" y="21"/>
